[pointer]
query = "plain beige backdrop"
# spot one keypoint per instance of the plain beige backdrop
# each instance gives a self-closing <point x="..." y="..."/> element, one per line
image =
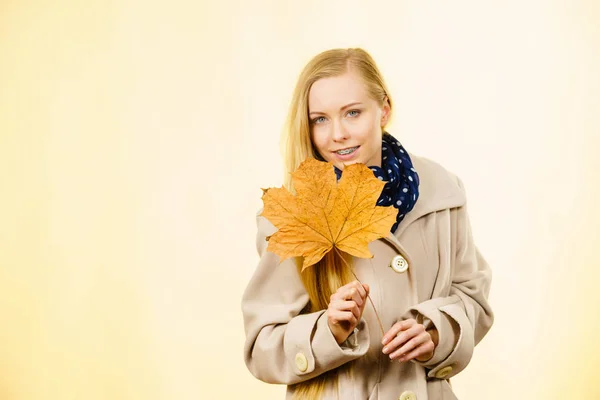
<point x="135" y="137"/>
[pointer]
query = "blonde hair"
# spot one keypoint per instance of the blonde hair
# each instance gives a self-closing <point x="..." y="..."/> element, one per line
<point x="324" y="278"/>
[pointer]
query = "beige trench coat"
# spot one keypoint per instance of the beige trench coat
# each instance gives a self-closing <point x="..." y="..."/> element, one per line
<point x="429" y="269"/>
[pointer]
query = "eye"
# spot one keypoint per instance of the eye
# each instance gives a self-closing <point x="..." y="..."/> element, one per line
<point x="316" y="120"/>
<point x="357" y="113"/>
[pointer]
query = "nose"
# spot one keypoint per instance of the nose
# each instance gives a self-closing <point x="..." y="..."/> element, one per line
<point x="339" y="133"/>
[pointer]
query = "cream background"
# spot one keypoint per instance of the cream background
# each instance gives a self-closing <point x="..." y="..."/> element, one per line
<point x="135" y="138"/>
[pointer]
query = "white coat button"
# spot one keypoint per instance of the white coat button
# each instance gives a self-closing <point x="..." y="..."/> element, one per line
<point x="399" y="264"/>
<point x="301" y="362"/>
<point x="443" y="373"/>
<point x="408" y="395"/>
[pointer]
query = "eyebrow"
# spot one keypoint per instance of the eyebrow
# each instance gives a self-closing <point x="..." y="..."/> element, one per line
<point x="341" y="108"/>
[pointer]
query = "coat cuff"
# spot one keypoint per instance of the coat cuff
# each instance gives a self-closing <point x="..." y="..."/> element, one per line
<point x="455" y="345"/>
<point x="448" y="333"/>
<point x="311" y="348"/>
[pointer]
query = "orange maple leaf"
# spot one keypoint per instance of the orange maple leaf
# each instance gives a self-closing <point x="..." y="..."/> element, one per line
<point x="326" y="214"/>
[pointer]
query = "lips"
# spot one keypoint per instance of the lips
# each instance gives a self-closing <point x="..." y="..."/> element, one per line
<point x="346" y="156"/>
<point x="346" y="151"/>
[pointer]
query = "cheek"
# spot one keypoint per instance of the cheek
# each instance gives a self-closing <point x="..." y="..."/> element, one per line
<point x="366" y="129"/>
<point x="319" y="138"/>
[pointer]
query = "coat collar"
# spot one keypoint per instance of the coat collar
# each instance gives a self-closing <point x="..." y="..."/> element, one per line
<point x="438" y="190"/>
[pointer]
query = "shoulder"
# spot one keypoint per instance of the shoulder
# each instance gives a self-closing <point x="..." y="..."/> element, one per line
<point x="434" y="171"/>
<point x="264" y="228"/>
<point x="439" y="187"/>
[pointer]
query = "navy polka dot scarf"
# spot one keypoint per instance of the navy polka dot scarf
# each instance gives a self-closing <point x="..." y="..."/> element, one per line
<point x="402" y="181"/>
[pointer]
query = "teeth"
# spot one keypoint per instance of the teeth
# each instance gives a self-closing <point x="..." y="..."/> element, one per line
<point x="346" y="151"/>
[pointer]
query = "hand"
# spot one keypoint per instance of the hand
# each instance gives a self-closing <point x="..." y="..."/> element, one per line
<point x="407" y="340"/>
<point x="345" y="309"/>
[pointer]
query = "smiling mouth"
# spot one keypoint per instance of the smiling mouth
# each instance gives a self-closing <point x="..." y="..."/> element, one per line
<point x="347" y="151"/>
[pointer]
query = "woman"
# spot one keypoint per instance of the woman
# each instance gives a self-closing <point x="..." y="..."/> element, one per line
<point x="314" y="331"/>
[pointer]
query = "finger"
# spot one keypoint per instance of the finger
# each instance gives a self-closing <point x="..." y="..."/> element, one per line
<point x="360" y="300"/>
<point x="367" y="289"/>
<point x="425" y="348"/>
<point x="348" y="305"/>
<point x="356" y="285"/>
<point x="343" y="293"/>
<point x="354" y="295"/>
<point x="395" y="329"/>
<point x="361" y="289"/>
<point x="337" y="317"/>
<point x="402" y="338"/>
<point x="412" y="344"/>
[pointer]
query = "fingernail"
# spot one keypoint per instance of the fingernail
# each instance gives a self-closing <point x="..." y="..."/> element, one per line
<point x="386" y="350"/>
<point x="384" y="341"/>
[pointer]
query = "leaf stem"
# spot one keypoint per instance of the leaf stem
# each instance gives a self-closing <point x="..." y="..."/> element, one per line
<point x="368" y="296"/>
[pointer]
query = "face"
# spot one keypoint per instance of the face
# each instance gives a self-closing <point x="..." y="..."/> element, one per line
<point x="346" y="124"/>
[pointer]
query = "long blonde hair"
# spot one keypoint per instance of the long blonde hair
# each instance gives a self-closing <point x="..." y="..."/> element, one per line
<point x="324" y="278"/>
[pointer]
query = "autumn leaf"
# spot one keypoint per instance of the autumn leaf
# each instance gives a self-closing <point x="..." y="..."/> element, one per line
<point x="326" y="213"/>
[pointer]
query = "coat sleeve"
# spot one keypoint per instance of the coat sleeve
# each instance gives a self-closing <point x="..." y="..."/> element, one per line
<point x="283" y="344"/>
<point x="463" y="317"/>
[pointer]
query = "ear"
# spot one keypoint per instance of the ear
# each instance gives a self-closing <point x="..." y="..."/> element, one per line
<point x="385" y="111"/>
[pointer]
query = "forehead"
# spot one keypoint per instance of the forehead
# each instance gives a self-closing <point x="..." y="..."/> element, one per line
<point x="336" y="91"/>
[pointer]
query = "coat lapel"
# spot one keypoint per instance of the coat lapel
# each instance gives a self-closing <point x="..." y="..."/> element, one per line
<point x="438" y="190"/>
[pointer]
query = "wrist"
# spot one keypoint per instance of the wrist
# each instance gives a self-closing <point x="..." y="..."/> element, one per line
<point x="352" y="340"/>
<point x="339" y="335"/>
